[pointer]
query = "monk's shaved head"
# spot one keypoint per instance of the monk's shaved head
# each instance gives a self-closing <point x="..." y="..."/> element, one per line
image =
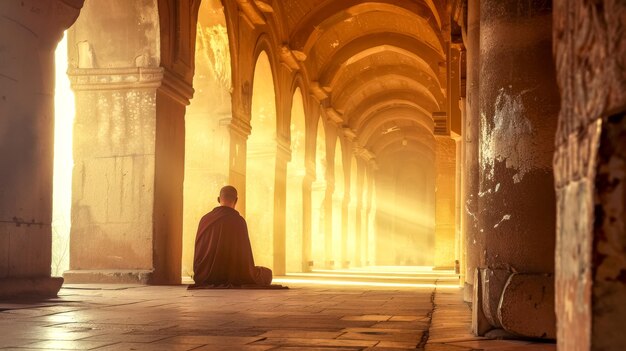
<point x="228" y="196"/>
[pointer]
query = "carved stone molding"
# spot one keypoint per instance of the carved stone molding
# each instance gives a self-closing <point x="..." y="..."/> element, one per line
<point x="90" y="79"/>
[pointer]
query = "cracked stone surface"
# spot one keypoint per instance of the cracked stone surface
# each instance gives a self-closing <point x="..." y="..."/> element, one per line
<point x="305" y="317"/>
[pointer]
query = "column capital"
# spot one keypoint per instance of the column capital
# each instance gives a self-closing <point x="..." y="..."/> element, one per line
<point x="176" y="87"/>
<point x="240" y="127"/>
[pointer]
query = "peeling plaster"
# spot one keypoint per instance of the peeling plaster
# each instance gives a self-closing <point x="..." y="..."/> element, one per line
<point x="496" y="141"/>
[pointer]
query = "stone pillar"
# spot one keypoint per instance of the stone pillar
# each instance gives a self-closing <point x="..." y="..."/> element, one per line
<point x="307" y="215"/>
<point x="361" y="238"/>
<point x="129" y="134"/>
<point x="283" y="155"/>
<point x="345" y="227"/>
<point x="29" y="33"/>
<point x="445" y="203"/>
<point x="590" y="168"/>
<point x="519" y="103"/>
<point x="239" y="131"/>
<point x="370" y="217"/>
<point x="461" y="167"/>
<point x="459" y="242"/>
<point x="473" y="237"/>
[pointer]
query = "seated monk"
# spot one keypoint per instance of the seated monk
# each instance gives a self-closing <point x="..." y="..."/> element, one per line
<point x="223" y="255"/>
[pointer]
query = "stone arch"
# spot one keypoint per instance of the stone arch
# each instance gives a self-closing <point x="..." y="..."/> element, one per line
<point x="261" y="163"/>
<point x="264" y="46"/>
<point x="305" y="34"/>
<point x="318" y="201"/>
<point x="207" y="120"/>
<point x="296" y="172"/>
<point x="327" y="70"/>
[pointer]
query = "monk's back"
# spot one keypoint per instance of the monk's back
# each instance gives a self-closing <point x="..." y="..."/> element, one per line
<point x="223" y="255"/>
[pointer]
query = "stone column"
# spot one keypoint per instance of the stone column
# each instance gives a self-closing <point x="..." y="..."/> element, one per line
<point x="370" y="216"/>
<point x="473" y="237"/>
<point x="590" y="175"/>
<point x="519" y="103"/>
<point x="283" y="155"/>
<point x="361" y="239"/>
<point x="29" y="33"/>
<point x="345" y="225"/>
<point x="307" y="215"/>
<point x="459" y="242"/>
<point x="128" y="157"/>
<point x="445" y="203"/>
<point x="239" y="131"/>
<point x="128" y="149"/>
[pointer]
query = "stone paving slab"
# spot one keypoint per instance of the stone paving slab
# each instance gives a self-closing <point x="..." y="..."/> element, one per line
<point x="305" y="317"/>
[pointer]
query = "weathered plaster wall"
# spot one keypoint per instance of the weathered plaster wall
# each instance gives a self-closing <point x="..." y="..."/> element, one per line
<point x="589" y="162"/>
<point x="29" y="32"/>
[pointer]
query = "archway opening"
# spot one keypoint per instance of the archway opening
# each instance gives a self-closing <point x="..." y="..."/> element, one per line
<point x="207" y="138"/>
<point x="296" y="172"/>
<point x="261" y="165"/>
<point x="318" y="194"/>
<point x="339" y="244"/>
<point x="64" y="112"/>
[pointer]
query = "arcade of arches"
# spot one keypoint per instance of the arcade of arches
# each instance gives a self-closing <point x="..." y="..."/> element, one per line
<point x="483" y="137"/>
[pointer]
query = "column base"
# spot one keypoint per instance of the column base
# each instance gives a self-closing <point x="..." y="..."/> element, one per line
<point x="42" y="287"/>
<point x="108" y="277"/>
<point x="522" y="304"/>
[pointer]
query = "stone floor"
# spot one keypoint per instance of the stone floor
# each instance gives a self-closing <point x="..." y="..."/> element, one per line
<point x="308" y="316"/>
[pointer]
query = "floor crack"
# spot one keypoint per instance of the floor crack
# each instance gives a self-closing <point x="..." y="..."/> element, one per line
<point x="426" y="334"/>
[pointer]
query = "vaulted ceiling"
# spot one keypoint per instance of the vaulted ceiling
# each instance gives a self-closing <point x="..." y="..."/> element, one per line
<point x="377" y="67"/>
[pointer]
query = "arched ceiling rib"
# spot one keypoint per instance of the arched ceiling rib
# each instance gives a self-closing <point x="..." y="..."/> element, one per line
<point x="369" y="71"/>
<point x="376" y="42"/>
<point x="388" y="97"/>
<point x="313" y="25"/>
<point x="377" y="63"/>
<point x="361" y="91"/>
<point x="393" y="120"/>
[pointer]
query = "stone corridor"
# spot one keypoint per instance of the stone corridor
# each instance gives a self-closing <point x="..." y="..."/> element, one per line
<point x="481" y="137"/>
<point x="305" y="317"/>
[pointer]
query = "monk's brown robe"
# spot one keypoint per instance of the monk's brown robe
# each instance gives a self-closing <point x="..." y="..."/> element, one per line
<point x="223" y="255"/>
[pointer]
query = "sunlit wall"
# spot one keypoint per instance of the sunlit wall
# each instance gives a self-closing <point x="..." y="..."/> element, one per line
<point x="207" y="139"/>
<point x="261" y="164"/>
<point x="64" y="111"/>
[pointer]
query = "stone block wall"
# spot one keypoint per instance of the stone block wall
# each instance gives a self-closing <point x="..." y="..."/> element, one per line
<point x="590" y="53"/>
